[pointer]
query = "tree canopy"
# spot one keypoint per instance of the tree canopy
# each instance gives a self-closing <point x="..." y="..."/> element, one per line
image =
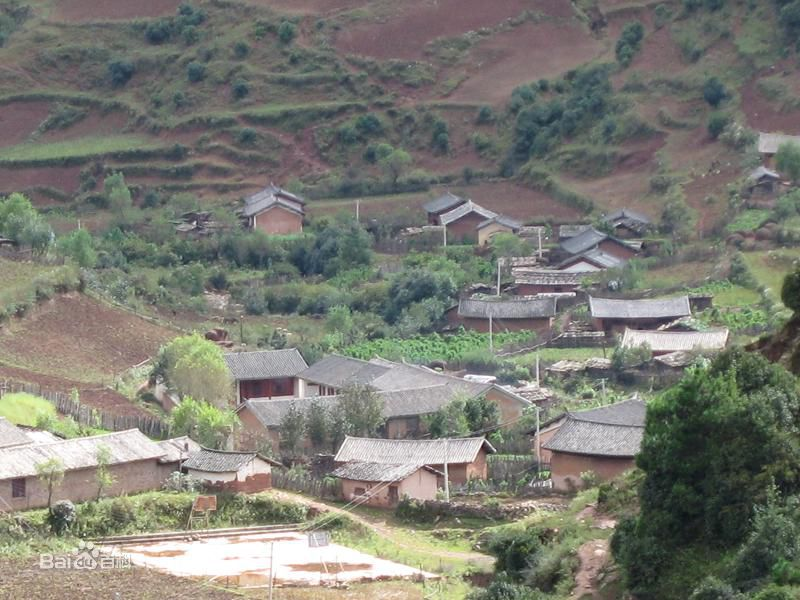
<point x="207" y="425"/>
<point x="194" y="366"/>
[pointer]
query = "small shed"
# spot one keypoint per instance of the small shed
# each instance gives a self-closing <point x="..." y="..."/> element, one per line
<point x="494" y="225"/>
<point x="628" y="223"/>
<point x="769" y="143"/>
<point x="383" y="485"/>
<point x="462" y="222"/>
<point x="666" y="342"/>
<point x="275" y="211"/>
<point x="224" y="470"/>
<point x="762" y="181"/>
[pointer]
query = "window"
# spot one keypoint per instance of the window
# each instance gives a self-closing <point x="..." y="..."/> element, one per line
<point x="18" y="488"/>
<point x="359" y="491"/>
<point x="282" y="387"/>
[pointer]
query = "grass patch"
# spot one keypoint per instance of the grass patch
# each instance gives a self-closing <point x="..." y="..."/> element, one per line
<point x="687" y="273"/>
<point x="771" y="267"/>
<point x="25" y="409"/>
<point x="748" y="220"/>
<point x="78" y="148"/>
<point x="553" y="355"/>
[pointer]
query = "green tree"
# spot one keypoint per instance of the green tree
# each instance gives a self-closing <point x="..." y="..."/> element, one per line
<point x="340" y="428"/>
<point x="206" y="424"/>
<point x="287" y="31"/>
<point x="714" y="91"/>
<point x="292" y="428"/>
<point x="119" y="199"/>
<point x="79" y="246"/>
<point x="787" y="160"/>
<point x="507" y="244"/>
<point x="103" y="475"/>
<point x="21" y="222"/>
<point x="318" y="424"/>
<point x="790" y="292"/>
<point x="362" y="408"/>
<point x="395" y="164"/>
<point x="448" y="421"/>
<point x="194" y="366"/>
<point x="339" y="322"/>
<point x="51" y="474"/>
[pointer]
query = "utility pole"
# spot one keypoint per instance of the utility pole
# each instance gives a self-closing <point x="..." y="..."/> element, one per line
<point x="539" y="232"/>
<point x="358" y="201"/>
<point x="499" y="265"/>
<point x="538" y="444"/>
<point x="271" y="563"/>
<point x="538" y="383"/>
<point x="446" y="474"/>
<point x="444" y="235"/>
<point x="491" y="341"/>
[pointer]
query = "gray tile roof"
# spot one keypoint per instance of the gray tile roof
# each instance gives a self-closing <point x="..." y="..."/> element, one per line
<point x="760" y="172"/>
<point x="337" y="371"/>
<point x="461" y="211"/>
<point x="768" y="143"/>
<point x="674" y="341"/>
<point x="596" y="257"/>
<point x="625" y="215"/>
<point x="376" y="472"/>
<point x="446" y="201"/>
<point x="265" y="364"/>
<point x="629" y="412"/>
<point x="219" y="461"/>
<point x="661" y="308"/>
<point x="269" y="196"/>
<point x="569" y="231"/>
<point x="259" y="207"/>
<point x="501" y="220"/>
<point x="529" y="308"/>
<point x="414" y="452"/>
<point x="79" y="453"/>
<point x="548" y="277"/>
<point x="596" y="439"/>
<point x="11" y="435"/>
<point x="586" y="240"/>
<point x="177" y="449"/>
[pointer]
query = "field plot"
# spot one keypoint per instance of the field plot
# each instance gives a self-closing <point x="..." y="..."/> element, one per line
<point x="245" y="560"/>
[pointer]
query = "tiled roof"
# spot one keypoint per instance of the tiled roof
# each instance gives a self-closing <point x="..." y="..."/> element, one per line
<point x="264" y="205"/>
<point x="662" y="308"/>
<point x="468" y="207"/>
<point x="414" y="452"/>
<point x="265" y="364"/>
<point x="596" y="439"/>
<point x="177" y="449"/>
<point x="627" y="215"/>
<point x="762" y="171"/>
<point x="218" y="461"/>
<point x="376" y="472"/>
<point x="673" y="341"/>
<point x="533" y="308"/>
<point x="444" y="202"/>
<point x="768" y="143"/>
<point x="78" y="453"/>
<point x="630" y="413"/>
<point x="269" y="196"/>
<point x="501" y="220"/>
<point x="570" y="231"/>
<point x="337" y="371"/>
<point x="676" y="360"/>
<point x="586" y="240"/>
<point x="11" y="435"/>
<point x="548" y="277"/>
<point x="596" y="257"/>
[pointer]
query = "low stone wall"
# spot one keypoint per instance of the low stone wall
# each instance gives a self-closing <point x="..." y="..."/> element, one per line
<point x="510" y="511"/>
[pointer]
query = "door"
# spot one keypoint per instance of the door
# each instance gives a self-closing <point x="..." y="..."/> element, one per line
<point x="394" y="495"/>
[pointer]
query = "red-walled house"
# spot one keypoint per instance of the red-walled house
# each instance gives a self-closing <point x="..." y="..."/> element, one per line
<point x="461" y="223"/>
<point x="534" y="314"/>
<point x="530" y="283"/>
<point x="628" y="223"/>
<point x="275" y="211"/>
<point x="266" y="373"/>
<point x="441" y="205"/>
<point x="614" y="315"/>
<point x="592" y="239"/>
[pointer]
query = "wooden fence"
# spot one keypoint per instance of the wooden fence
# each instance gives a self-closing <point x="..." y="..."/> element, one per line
<point x="88" y="416"/>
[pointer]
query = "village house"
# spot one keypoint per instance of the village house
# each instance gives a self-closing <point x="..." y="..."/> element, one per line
<point x="666" y="342"/>
<point x="383" y="485"/>
<point x="329" y="375"/>
<point x="136" y="464"/>
<point x="627" y="223"/>
<point x="11" y="435"/>
<point x="546" y="281"/>
<point x="603" y="441"/>
<point x="494" y="225"/>
<point x="570" y="230"/>
<point x="614" y="315"/>
<point x="762" y="181"/>
<point x="590" y="261"/>
<point x="592" y="239"/>
<point x="518" y="314"/>
<point x="465" y="457"/>
<point x="462" y="222"/>
<point x="769" y="143"/>
<point x="403" y="409"/>
<point x="266" y="373"/>
<point x="441" y="205"/>
<point x="226" y="471"/>
<point x="275" y="211"/>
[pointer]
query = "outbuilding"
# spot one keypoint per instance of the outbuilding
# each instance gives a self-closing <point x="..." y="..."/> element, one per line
<point x="275" y="211"/>
<point x="615" y="314"/>
<point x="227" y="471"/>
<point x="383" y="485"/>
<point x="266" y="373"/>
<point x="518" y="314"/>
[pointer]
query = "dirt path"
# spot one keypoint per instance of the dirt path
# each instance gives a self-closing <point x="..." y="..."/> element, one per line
<point x="382" y="529"/>
<point x="593" y="556"/>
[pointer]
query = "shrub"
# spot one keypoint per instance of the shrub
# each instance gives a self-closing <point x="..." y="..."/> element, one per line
<point x="717" y="124"/>
<point x="120" y="72"/>
<point x="287" y="31"/>
<point x="714" y="91"/>
<point x="241" y="50"/>
<point x="485" y="115"/>
<point x="240" y="89"/>
<point x="195" y="71"/>
<point x="246" y="136"/>
<point x="159" y="31"/>
<point x="790" y="292"/>
<point x="181" y="482"/>
<point x="515" y="550"/>
<point x="713" y="589"/>
<point x="629" y="42"/>
<point x="62" y="517"/>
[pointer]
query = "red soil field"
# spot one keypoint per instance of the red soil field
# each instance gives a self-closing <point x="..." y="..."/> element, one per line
<point x="764" y="115"/>
<point x="80" y="338"/>
<point x="404" y="33"/>
<point x="76" y="11"/>
<point x="309" y="7"/>
<point x="20" y="119"/>
<point x="62" y="178"/>
<point x="92" y="125"/>
<point x="523" y="54"/>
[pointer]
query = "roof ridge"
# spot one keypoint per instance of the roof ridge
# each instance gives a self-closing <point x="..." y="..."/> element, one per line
<point x="79" y="439"/>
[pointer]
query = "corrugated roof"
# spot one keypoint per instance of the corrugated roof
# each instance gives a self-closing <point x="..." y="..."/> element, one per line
<point x="79" y="453"/>
<point x="444" y="202"/>
<point x="468" y="207"/>
<point x="660" y="308"/>
<point x="769" y="143"/>
<point x="596" y="439"/>
<point x="11" y="435"/>
<point x="548" y="277"/>
<point x="415" y="452"/>
<point x="218" y="461"/>
<point x="376" y="472"/>
<point x="501" y="220"/>
<point x="529" y="308"/>
<point x="674" y="341"/>
<point x="177" y="449"/>
<point x="265" y="364"/>
<point x="337" y="371"/>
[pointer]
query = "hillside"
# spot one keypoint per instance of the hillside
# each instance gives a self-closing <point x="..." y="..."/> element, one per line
<point x="219" y="97"/>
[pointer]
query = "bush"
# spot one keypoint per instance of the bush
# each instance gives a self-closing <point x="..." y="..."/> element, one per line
<point x="629" y="42"/>
<point x="120" y="72"/>
<point x="62" y="517"/>
<point x="713" y="589"/>
<point x="241" y="50"/>
<point x="515" y="550"/>
<point x="195" y="71"/>
<point x="790" y="292"/>
<point x="485" y="115"/>
<point x="240" y="89"/>
<point x="717" y="124"/>
<point x="714" y="91"/>
<point x="287" y="31"/>
<point x="159" y="31"/>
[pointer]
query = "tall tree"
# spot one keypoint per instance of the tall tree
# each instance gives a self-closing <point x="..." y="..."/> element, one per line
<point x="194" y="366"/>
<point x="318" y="424"/>
<point x="119" y="199"/>
<point x="362" y="408"/>
<point x="292" y="428"/>
<point x="208" y="425"/>
<point x="103" y="476"/>
<point x="51" y="474"/>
